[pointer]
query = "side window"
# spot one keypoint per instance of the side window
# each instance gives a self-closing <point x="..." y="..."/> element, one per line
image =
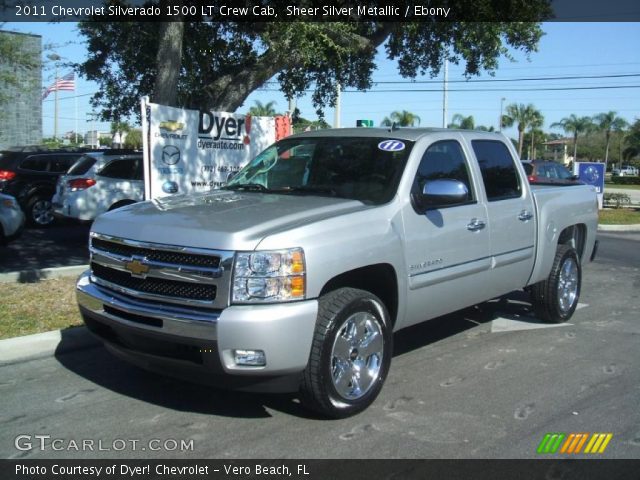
<point x="443" y="160"/>
<point x="499" y="174"/>
<point x="123" y="169"/>
<point x="62" y="163"/>
<point x="138" y="170"/>
<point x="36" y="163"/>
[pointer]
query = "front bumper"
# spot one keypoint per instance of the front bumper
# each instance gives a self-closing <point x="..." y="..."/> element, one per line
<point x="198" y="344"/>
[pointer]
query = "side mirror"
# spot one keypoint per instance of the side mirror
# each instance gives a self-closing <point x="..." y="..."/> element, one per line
<point x="439" y="194"/>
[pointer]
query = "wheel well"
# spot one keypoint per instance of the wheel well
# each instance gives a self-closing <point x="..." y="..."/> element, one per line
<point x="379" y="279"/>
<point x="121" y="203"/>
<point x="575" y="236"/>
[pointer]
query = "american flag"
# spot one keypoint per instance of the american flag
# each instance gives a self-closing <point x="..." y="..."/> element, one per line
<point x="63" y="83"/>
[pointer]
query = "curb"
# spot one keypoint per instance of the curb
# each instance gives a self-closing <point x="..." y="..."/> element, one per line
<point x="619" y="228"/>
<point x="35" y="275"/>
<point x="47" y="344"/>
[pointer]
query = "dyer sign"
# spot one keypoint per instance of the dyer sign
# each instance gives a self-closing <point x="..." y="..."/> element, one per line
<point x="190" y="151"/>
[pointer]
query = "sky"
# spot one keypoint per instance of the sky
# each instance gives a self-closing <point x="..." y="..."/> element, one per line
<point x="568" y="49"/>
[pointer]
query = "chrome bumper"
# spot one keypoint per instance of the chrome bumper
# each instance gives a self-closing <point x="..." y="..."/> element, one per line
<point x="284" y="332"/>
<point x="175" y="320"/>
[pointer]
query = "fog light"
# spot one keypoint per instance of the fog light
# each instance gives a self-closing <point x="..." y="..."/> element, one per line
<point x="252" y="358"/>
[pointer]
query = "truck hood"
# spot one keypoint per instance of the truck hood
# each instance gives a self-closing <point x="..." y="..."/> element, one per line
<point x="223" y="220"/>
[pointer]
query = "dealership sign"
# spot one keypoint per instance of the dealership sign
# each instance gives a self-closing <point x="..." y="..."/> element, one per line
<point x="190" y="151"/>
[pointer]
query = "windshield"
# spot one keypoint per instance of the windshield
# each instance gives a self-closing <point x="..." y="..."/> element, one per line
<point x="366" y="169"/>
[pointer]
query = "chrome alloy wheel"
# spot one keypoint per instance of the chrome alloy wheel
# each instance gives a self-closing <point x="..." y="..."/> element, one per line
<point x="357" y="355"/>
<point x="42" y="213"/>
<point x="568" y="285"/>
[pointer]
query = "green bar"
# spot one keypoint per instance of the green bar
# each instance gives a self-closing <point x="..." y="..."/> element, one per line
<point x="541" y="447"/>
<point x="554" y="449"/>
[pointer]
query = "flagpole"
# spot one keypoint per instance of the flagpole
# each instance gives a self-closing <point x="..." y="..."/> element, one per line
<point x="55" y="108"/>
<point x="75" y="132"/>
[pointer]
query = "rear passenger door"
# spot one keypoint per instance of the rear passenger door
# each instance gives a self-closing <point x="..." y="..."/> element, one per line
<point x="121" y="179"/>
<point x="511" y="215"/>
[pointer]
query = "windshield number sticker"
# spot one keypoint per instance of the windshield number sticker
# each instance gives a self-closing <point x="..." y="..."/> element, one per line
<point x="391" y="146"/>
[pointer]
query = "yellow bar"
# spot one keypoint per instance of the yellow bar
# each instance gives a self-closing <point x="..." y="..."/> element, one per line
<point x="583" y="438"/>
<point x="605" y="443"/>
<point x="591" y="442"/>
<point x="596" y="445"/>
<point x="567" y="442"/>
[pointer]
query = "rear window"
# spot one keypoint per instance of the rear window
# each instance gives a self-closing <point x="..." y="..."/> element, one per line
<point x="36" y="163"/>
<point x="498" y="170"/>
<point x="126" y="169"/>
<point x="60" y="164"/>
<point x="82" y="166"/>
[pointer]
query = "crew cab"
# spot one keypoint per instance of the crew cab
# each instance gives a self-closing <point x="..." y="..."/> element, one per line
<point x="294" y="276"/>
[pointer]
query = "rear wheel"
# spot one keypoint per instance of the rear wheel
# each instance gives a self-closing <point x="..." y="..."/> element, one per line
<point x="350" y="354"/>
<point x="556" y="298"/>
<point x="40" y="211"/>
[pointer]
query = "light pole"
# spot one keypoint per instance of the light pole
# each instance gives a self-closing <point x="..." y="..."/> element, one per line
<point x="54" y="57"/>
<point x="501" y="106"/>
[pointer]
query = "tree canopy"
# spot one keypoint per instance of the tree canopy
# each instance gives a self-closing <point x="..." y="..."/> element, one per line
<point x="524" y="116"/>
<point x="402" y="118"/>
<point x="218" y="64"/>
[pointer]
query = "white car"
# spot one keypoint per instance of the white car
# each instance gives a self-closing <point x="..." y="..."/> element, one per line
<point x="97" y="183"/>
<point x="11" y="219"/>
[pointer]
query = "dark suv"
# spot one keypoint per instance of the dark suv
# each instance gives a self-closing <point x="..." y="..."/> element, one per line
<point x="30" y="175"/>
<point x="548" y="172"/>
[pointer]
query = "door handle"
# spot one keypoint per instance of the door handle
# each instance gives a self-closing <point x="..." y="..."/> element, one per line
<point x="476" y="225"/>
<point x="525" y="216"/>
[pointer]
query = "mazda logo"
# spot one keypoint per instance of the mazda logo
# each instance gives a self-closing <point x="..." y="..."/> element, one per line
<point x="170" y="154"/>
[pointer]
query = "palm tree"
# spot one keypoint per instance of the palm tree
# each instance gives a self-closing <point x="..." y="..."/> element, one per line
<point x="263" y="110"/>
<point x="575" y="125"/>
<point x="523" y="115"/>
<point x="537" y="120"/>
<point x="462" y="122"/>
<point x="608" y="122"/>
<point x="402" y="119"/>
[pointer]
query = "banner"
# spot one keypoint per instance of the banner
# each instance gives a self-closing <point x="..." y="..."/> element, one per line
<point x="591" y="173"/>
<point x="190" y="151"/>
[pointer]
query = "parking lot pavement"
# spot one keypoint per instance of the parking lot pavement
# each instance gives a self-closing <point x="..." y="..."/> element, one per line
<point x="37" y="248"/>
<point x="486" y="382"/>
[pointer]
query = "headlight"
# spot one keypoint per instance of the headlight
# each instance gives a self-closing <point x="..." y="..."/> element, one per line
<point x="269" y="276"/>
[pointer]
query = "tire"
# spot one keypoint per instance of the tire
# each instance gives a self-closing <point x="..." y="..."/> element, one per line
<point x="121" y="203"/>
<point x="353" y="330"/>
<point x="556" y="298"/>
<point x="40" y="211"/>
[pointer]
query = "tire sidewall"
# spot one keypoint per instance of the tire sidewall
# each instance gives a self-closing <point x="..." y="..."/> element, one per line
<point x="31" y="214"/>
<point x="562" y="315"/>
<point x="372" y="305"/>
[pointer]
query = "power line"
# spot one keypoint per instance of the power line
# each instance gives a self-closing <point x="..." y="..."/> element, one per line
<point x="531" y="79"/>
<point x="498" y="90"/>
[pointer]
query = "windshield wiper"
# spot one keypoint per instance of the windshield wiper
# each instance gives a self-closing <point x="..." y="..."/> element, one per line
<point x="251" y="187"/>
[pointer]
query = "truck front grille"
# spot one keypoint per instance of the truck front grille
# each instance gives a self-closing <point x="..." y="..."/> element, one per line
<point x="158" y="272"/>
<point x="155" y="286"/>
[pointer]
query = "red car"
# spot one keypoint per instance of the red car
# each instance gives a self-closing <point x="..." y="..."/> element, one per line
<point x="548" y="172"/>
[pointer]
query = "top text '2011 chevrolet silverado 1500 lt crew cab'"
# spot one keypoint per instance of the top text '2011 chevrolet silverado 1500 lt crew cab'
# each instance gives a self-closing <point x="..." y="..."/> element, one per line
<point x="295" y="275"/>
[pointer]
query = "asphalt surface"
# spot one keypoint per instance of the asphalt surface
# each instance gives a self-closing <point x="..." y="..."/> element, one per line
<point x="61" y="245"/>
<point x="487" y="382"/>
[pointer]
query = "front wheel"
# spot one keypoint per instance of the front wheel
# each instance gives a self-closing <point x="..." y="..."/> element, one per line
<point x="350" y="354"/>
<point x="556" y="298"/>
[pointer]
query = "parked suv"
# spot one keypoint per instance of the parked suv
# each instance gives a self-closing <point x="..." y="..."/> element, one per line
<point x="30" y="174"/>
<point x="542" y="171"/>
<point x="99" y="182"/>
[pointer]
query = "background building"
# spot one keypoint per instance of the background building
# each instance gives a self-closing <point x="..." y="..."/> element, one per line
<point x="21" y="97"/>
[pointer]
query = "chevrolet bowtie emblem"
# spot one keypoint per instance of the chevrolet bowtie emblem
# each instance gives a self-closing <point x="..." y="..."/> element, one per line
<point x="137" y="268"/>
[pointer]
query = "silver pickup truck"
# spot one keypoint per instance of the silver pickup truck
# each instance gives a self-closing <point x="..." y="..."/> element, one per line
<point x="294" y="276"/>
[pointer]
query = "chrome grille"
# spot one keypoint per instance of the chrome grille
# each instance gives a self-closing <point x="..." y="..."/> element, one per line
<point x="155" y="286"/>
<point x="161" y="273"/>
<point x="156" y="255"/>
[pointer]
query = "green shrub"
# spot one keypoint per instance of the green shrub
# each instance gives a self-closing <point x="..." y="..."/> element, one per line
<point x="616" y="199"/>
<point x="626" y="180"/>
